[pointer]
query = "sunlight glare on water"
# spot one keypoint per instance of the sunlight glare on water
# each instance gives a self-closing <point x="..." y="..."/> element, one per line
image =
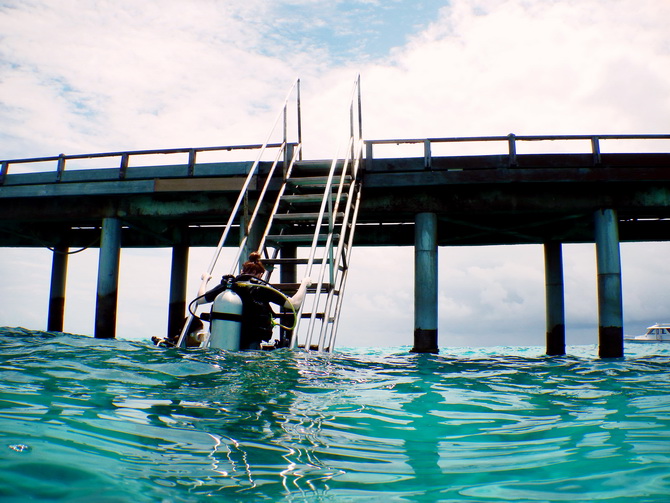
<point x="91" y="420"/>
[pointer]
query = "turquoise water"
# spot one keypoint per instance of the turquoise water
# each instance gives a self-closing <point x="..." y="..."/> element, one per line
<point x="116" y="421"/>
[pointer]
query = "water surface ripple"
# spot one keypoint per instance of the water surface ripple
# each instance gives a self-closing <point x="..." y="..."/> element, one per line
<point x="115" y="421"/>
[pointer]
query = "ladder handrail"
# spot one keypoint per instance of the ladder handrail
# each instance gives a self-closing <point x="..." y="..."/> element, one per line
<point x="259" y="202"/>
<point x="333" y="259"/>
<point x="345" y="224"/>
<point x="349" y="248"/>
<point x="310" y="261"/>
<point x="297" y="153"/>
<point x="330" y="260"/>
<point x="247" y="182"/>
<point x="245" y="187"/>
<point x="326" y="201"/>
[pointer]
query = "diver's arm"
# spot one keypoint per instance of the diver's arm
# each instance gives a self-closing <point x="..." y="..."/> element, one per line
<point x="203" y="288"/>
<point x="296" y="300"/>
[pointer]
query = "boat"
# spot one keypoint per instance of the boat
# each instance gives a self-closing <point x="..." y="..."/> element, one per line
<point x="660" y="332"/>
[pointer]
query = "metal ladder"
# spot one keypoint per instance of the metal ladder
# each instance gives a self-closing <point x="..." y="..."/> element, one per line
<point x="314" y="211"/>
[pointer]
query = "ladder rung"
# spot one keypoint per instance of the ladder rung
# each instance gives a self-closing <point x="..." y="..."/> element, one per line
<point x="293" y="287"/>
<point x="290" y="261"/>
<point x="316" y="181"/>
<point x="302" y="216"/>
<point x="314" y="347"/>
<point x="297" y="261"/>
<point x="299" y="238"/>
<point x="308" y="198"/>
<point x="318" y="166"/>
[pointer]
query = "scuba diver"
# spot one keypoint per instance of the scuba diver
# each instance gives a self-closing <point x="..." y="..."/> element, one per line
<point x="254" y="320"/>
<point x="241" y="316"/>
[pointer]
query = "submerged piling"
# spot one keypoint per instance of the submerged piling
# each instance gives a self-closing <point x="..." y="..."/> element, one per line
<point x="555" y="298"/>
<point x="55" y="319"/>
<point x="108" y="279"/>
<point x="288" y="273"/>
<point x="425" y="283"/>
<point x="178" y="279"/>
<point x="610" y="304"/>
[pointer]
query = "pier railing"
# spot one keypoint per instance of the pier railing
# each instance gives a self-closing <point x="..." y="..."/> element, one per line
<point x="510" y="144"/>
<point x="125" y="157"/>
<point x="511" y="141"/>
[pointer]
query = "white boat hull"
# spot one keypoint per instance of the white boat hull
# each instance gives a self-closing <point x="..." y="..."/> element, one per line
<point x="642" y="340"/>
<point x="655" y="333"/>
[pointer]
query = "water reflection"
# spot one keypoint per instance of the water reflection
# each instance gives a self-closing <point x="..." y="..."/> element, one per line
<point x="146" y="424"/>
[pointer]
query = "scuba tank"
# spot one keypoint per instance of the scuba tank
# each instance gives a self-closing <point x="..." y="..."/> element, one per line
<point x="226" y="321"/>
<point x="236" y="299"/>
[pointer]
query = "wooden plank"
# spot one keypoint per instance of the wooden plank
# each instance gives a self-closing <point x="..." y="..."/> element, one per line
<point x="412" y="180"/>
<point x="527" y="161"/>
<point x="230" y="169"/>
<point x="78" y="189"/>
<point x="198" y="184"/>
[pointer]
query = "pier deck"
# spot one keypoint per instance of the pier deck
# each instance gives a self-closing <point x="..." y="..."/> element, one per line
<point x="478" y="199"/>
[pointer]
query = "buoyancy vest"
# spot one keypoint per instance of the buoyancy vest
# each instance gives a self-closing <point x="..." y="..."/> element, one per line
<point x="257" y="315"/>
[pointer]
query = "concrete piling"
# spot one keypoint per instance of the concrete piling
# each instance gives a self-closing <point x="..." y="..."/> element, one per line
<point x="610" y="304"/>
<point x="178" y="278"/>
<point x="425" y="284"/>
<point x="555" y="300"/>
<point x="108" y="279"/>
<point x="55" y="318"/>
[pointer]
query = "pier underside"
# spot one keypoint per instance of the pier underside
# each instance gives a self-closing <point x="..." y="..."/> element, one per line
<point x="492" y="206"/>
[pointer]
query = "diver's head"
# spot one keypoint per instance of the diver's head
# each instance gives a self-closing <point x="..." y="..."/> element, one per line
<point x="254" y="266"/>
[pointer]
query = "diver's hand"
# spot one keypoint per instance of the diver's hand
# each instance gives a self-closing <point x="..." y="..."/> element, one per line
<point x="203" y="285"/>
<point x="307" y="281"/>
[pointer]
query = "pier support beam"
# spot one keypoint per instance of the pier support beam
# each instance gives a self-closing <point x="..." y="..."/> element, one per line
<point x="610" y="305"/>
<point x="288" y="273"/>
<point x="254" y="236"/>
<point x="555" y="298"/>
<point x="108" y="279"/>
<point x="425" y="283"/>
<point x="56" y="315"/>
<point x="178" y="275"/>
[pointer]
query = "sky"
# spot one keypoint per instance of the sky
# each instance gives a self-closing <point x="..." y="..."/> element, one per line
<point x="83" y="76"/>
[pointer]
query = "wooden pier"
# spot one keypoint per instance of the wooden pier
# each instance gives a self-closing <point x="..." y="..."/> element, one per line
<point x="423" y="200"/>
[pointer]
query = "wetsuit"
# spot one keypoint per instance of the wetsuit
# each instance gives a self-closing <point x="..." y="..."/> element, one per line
<point x="257" y="315"/>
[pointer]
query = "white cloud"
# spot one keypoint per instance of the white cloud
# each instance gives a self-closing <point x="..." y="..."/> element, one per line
<point x="25" y="276"/>
<point x="83" y="77"/>
<point x="495" y="67"/>
<point x="126" y="75"/>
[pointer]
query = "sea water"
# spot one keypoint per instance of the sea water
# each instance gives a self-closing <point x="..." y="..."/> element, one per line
<point x="86" y="420"/>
